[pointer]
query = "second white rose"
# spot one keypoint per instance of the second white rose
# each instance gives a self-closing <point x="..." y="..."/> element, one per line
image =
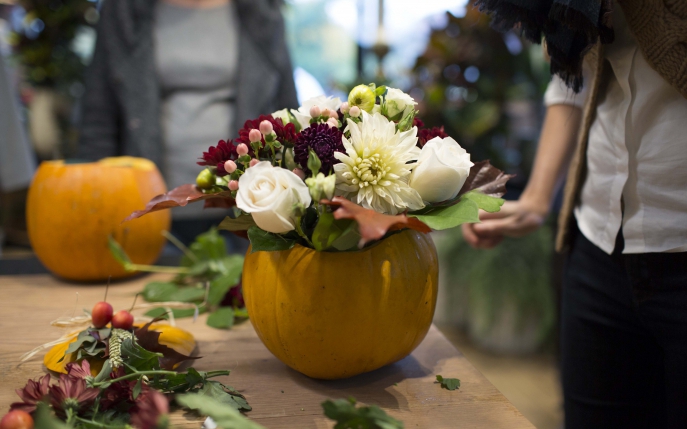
<point x="269" y="194"/>
<point x="441" y="170"/>
<point x="398" y="102"/>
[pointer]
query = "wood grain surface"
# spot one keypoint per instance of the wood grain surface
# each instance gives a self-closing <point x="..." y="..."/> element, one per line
<point x="280" y="396"/>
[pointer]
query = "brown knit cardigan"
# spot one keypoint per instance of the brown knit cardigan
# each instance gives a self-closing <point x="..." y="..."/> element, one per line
<point x="660" y="27"/>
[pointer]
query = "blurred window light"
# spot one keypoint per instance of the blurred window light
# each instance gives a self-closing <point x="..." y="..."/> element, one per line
<point x="513" y="43"/>
<point x="307" y="86"/>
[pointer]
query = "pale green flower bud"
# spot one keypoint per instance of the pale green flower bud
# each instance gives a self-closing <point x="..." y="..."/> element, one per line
<point x="321" y="187"/>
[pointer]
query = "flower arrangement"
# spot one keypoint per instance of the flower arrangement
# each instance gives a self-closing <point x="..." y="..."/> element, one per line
<point x="336" y="176"/>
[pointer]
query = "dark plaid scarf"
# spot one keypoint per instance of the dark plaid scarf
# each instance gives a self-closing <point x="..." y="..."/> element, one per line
<point x="569" y="27"/>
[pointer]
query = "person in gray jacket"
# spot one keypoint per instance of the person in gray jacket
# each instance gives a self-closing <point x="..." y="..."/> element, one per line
<point x="169" y="78"/>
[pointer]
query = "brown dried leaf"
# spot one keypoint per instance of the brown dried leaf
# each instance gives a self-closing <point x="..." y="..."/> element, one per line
<point x="371" y="224"/>
<point x="486" y="179"/>
<point x="181" y="196"/>
<point x="150" y="340"/>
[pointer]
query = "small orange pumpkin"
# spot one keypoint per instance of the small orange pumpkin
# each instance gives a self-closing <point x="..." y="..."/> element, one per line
<point x="72" y="209"/>
<point x="336" y="315"/>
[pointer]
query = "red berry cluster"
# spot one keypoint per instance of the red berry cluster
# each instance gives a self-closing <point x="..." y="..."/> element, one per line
<point x="101" y="315"/>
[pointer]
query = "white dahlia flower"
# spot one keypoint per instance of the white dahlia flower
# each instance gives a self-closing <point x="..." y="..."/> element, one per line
<point x="375" y="169"/>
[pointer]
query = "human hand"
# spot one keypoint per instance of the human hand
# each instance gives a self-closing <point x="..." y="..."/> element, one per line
<point x="515" y="219"/>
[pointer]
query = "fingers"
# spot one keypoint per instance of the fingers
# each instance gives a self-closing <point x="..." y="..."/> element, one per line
<point x="477" y="241"/>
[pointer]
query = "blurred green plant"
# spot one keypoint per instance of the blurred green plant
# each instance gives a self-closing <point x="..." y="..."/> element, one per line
<point x="44" y="43"/>
<point x="484" y="87"/>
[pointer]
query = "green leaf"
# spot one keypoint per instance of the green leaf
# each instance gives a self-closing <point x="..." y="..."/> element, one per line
<point x="193" y="293"/>
<point x="448" y="383"/>
<point x="347" y="416"/>
<point x="224" y="415"/>
<point x="178" y="313"/>
<point x="207" y="246"/>
<point x="465" y="211"/>
<point x="44" y="419"/>
<point x="138" y="357"/>
<point x="241" y="223"/>
<point x="225" y="395"/>
<point x="381" y="90"/>
<point x="349" y="239"/>
<point x="221" y="285"/>
<point x="159" y="291"/>
<point x="261" y="240"/>
<point x="328" y="230"/>
<point x="118" y="252"/>
<point x="137" y="389"/>
<point x="222" y="318"/>
<point x="485" y="202"/>
<point x="104" y="372"/>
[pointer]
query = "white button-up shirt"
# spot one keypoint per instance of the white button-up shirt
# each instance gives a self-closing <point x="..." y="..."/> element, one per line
<point x="636" y="155"/>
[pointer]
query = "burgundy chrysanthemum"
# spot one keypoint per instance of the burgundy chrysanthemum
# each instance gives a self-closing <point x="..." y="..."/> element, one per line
<point x="71" y="393"/>
<point x="234" y="297"/>
<point x="216" y="156"/>
<point x="31" y="394"/>
<point x="324" y="141"/>
<point x="427" y="134"/>
<point x="117" y="393"/>
<point x="417" y="122"/>
<point x="286" y="134"/>
<point x="151" y="406"/>
<point x="77" y="370"/>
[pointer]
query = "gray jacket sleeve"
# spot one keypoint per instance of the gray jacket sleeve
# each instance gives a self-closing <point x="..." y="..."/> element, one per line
<point x="99" y="131"/>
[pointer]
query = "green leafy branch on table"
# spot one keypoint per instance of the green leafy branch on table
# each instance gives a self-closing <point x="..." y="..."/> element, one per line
<point x="207" y="276"/>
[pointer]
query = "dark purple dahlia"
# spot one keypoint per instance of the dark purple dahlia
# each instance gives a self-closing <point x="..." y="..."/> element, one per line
<point x="324" y="141"/>
<point x="216" y="156"/>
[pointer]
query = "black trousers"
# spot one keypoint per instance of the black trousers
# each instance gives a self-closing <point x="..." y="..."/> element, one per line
<point x="624" y="338"/>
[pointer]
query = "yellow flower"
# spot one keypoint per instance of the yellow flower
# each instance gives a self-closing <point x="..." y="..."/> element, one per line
<point x="363" y="97"/>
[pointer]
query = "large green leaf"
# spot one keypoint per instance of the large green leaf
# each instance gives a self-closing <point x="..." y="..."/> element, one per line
<point x="44" y="419"/>
<point x="162" y="312"/>
<point x="485" y="202"/>
<point x="222" y="318"/>
<point x="207" y="246"/>
<point x="223" y="414"/>
<point x="159" y="291"/>
<point x="261" y="240"/>
<point x="465" y="211"/>
<point x="138" y="357"/>
<point x="329" y="229"/>
<point x="118" y="252"/>
<point x="347" y="416"/>
<point x="241" y="223"/>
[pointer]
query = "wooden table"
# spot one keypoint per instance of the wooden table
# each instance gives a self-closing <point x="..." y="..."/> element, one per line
<point x="280" y="396"/>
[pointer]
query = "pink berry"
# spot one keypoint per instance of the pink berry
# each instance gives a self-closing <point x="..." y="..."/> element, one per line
<point x="333" y="114"/>
<point x="332" y="122"/>
<point x="354" y="111"/>
<point x="300" y="173"/>
<point x="254" y="135"/>
<point x="234" y="185"/>
<point x="315" y="111"/>
<point x="344" y="107"/>
<point x="266" y="127"/>
<point x="253" y="162"/>
<point x="230" y="166"/>
<point x="123" y="320"/>
<point x="242" y="149"/>
<point x="101" y="314"/>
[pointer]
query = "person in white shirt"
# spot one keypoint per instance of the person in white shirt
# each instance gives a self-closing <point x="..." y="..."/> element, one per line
<point x="624" y="301"/>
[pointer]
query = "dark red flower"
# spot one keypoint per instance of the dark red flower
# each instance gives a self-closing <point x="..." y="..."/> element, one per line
<point x="31" y="394"/>
<point x="321" y="139"/>
<point x="234" y="297"/>
<point x="417" y="122"/>
<point x="71" y="393"/>
<point x="79" y="371"/>
<point x="150" y="410"/>
<point x="427" y="134"/>
<point x="286" y="134"/>
<point x="216" y="156"/>
<point x="117" y="393"/>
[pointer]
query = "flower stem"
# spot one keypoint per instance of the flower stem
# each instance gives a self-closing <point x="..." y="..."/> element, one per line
<point x="135" y="375"/>
<point x="92" y="423"/>
<point x="156" y="269"/>
<point x="300" y="232"/>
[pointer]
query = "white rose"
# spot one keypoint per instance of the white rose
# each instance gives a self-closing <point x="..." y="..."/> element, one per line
<point x="397" y="102"/>
<point x="441" y="170"/>
<point x="269" y="194"/>
<point x="303" y="112"/>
